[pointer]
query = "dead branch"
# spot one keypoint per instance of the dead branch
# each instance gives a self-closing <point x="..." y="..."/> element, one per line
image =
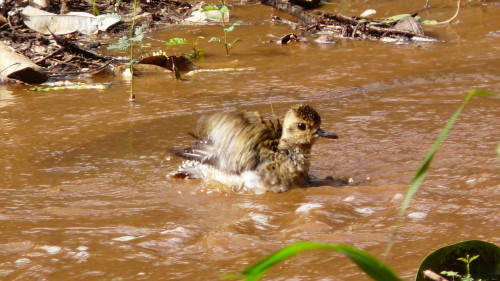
<point x="433" y="276"/>
<point x="293" y="10"/>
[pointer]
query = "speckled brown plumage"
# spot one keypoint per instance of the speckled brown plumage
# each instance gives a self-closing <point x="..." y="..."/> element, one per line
<point x="248" y="153"/>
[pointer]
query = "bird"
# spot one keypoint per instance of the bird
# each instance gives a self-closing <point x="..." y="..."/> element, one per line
<point x="252" y="155"/>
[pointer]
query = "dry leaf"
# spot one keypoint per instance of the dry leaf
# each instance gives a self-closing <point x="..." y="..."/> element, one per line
<point x="19" y="67"/>
<point x="45" y="22"/>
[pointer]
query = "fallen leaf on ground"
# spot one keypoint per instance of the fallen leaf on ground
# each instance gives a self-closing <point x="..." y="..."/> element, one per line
<point x="85" y="23"/>
<point x="18" y="67"/>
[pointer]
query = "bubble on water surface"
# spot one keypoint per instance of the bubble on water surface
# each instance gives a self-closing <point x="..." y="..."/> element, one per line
<point x="417" y="215"/>
<point x="82" y="248"/>
<point x="180" y="231"/>
<point x="22" y="262"/>
<point x="261" y="221"/>
<point x="125" y="238"/>
<point x="366" y="210"/>
<point x="82" y="256"/>
<point x="349" y="199"/>
<point x="305" y="208"/>
<point x="52" y="249"/>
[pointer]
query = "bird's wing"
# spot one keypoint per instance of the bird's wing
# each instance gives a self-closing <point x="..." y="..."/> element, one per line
<point x="232" y="142"/>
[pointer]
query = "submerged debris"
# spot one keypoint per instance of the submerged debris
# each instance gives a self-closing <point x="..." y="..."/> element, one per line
<point x="338" y="25"/>
<point x="66" y="85"/>
<point x="357" y="27"/>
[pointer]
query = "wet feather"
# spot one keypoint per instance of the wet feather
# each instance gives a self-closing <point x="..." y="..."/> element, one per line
<point x="248" y="153"/>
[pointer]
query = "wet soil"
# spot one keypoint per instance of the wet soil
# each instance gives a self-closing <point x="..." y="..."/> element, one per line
<point x="73" y="54"/>
<point x="83" y="186"/>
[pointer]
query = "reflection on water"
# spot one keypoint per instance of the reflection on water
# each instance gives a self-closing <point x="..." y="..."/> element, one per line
<point x="82" y="172"/>
<point x="6" y="97"/>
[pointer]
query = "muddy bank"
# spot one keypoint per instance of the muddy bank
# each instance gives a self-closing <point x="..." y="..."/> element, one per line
<point x="58" y="54"/>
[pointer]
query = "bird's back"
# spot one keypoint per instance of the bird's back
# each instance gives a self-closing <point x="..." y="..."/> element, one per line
<point x="232" y="142"/>
<point x="247" y="153"/>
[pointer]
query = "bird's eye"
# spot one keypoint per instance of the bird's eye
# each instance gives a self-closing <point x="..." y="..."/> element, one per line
<point x="302" y="126"/>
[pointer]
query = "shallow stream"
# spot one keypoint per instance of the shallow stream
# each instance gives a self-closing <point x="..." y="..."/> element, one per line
<point x="82" y="172"/>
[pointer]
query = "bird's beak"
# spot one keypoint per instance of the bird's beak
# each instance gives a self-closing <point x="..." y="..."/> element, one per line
<point x="322" y="133"/>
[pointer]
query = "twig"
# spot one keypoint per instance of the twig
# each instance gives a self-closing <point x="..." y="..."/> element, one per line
<point x="433" y="276"/>
<point x="454" y="16"/>
<point x="49" y="55"/>
<point x="72" y="47"/>
<point x="92" y="71"/>
<point x="10" y="24"/>
<point x="292" y="10"/>
<point x="369" y="29"/>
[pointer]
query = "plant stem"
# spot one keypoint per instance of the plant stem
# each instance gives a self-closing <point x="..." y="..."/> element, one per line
<point x="95" y="9"/>
<point x="467" y="268"/>
<point x="225" y="34"/>
<point x="132" y="43"/>
<point x="459" y="2"/>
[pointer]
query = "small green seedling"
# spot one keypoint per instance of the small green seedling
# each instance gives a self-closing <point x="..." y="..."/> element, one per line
<point x="196" y="52"/>
<point x="95" y="9"/>
<point x="467" y="277"/>
<point x="136" y="35"/>
<point x="226" y="27"/>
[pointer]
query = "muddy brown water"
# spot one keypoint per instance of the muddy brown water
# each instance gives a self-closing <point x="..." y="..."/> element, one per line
<point x="83" y="188"/>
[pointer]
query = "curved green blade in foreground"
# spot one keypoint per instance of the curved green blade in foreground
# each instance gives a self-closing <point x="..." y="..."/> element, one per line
<point x="419" y="175"/>
<point x="375" y="268"/>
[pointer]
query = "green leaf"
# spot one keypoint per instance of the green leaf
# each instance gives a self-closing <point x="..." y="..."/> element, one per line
<point x="177" y="41"/>
<point x="395" y="18"/>
<point x="123" y="44"/>
<point x="224" y="10"/>
<point x="139" y="30"/>
<point x="214" y="39"/>
<point x="371" y="265"/>
<point x="95" y="9"/>
<point x="449" y="273"/>
<point x="201" y="52"/>
<point x="111" y="16"/>
<point x="445" y="259"/>
<point x="429" y="22"/>
<point x="195" y="55"/>
<point x="231" y="27"/>
<point x="137" y="38"/>
<point x="160" y="53"/>
<point x="209" y="8"/>
<point x="200" y="38"/>
<point x="473" y="258"/>
<point x="117" y="47"/>
<point x="420" y="173"/>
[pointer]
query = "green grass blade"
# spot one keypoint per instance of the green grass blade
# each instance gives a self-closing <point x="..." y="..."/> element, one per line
<point x="419" y="175"/>
<point x="371" y="265"/>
